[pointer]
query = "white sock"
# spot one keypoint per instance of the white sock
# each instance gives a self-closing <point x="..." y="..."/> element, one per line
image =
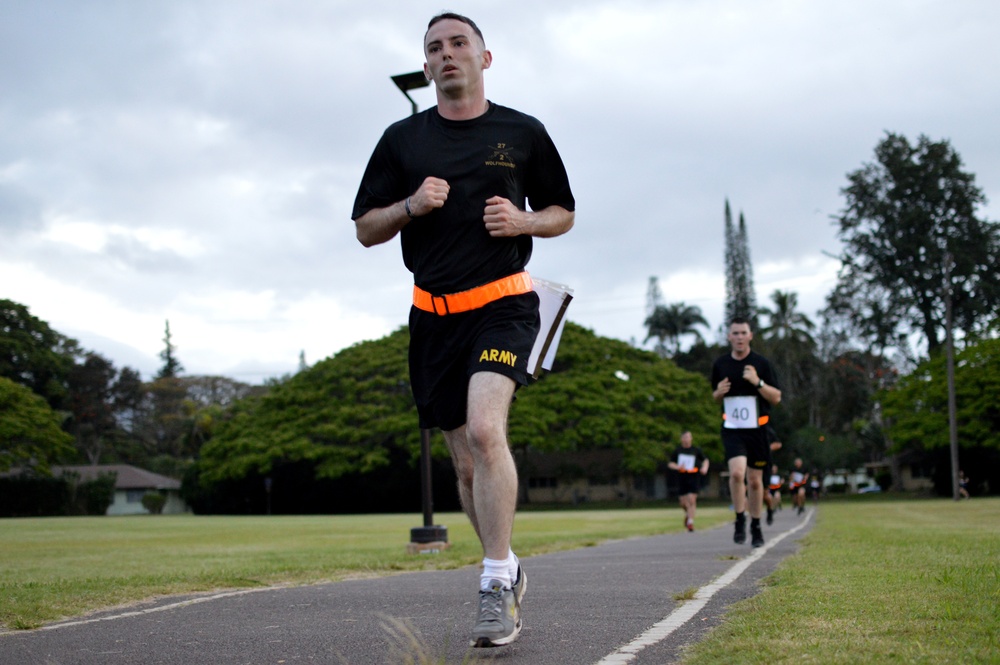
<point x="495" y="569"/>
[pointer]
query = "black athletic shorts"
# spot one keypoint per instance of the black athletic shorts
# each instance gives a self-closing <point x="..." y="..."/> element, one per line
<point x="446" y="350"/>
<point x="688" y="483"/>
<point x="749" y="443"/>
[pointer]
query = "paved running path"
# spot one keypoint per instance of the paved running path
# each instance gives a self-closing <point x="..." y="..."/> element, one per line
<point x="613" y="603"/>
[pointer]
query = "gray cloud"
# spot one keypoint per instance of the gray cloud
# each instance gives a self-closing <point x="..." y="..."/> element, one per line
<point x="198" y="161"/>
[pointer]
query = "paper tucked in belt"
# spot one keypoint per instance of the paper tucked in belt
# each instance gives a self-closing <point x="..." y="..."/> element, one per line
<point x="553" y="299"/>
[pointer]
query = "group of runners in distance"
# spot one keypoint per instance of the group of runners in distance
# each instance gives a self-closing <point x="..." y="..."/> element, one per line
<point x="744" y="384"/>
<point x="467" y="185"/>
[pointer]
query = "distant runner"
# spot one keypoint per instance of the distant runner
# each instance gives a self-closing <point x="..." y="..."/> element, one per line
<point x="690" y="464"/>
<point x="744" y="384"/>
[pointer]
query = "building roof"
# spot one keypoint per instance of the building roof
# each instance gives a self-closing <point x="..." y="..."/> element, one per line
<point x="128" y="477"/>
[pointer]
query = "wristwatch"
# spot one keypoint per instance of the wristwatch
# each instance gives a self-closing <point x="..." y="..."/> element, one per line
<point x="760" y="384"/>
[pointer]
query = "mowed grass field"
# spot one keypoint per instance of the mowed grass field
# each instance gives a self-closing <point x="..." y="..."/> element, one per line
<point x="877" y="580"/>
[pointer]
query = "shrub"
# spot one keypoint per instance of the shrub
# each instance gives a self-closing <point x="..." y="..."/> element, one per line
<point x="154" y="502"/>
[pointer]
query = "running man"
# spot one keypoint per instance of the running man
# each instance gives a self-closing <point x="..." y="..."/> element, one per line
<point x="455" y="182"/>
<point x="797" y="485"/>
<point x="744" y="384"/>
<point x="689" y="463"/>
<point x="773" y="498"/>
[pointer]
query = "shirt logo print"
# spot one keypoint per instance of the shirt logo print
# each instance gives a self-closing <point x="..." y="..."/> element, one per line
<point x="500" y="156"/>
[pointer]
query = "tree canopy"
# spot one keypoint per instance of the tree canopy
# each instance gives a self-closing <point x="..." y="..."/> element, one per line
<point x="351" y="412"/>
<point x="30" y="434"/>
<point x="916" y="409"/>
<point x="33" y="354"/>
<point x="909" y="213"/>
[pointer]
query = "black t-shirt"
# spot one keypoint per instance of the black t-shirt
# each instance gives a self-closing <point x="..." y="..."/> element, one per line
<point x="501" y="153"/>
<point x="693" y="459"/>
<point x="728" y="367"/>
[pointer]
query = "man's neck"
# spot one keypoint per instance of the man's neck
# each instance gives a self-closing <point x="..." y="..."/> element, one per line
<point x="463" y="108"/>
<point x="738" y="356"/>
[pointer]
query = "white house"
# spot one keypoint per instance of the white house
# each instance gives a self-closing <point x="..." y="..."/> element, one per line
<point x="131" y="483"/>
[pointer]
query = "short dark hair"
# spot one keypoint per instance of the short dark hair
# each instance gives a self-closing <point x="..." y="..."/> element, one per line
<point x="443" y="16"/>
<point x="741" y="319"/>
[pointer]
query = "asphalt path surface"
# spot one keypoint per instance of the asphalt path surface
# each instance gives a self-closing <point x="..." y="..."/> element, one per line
<point x="612" y="603"/>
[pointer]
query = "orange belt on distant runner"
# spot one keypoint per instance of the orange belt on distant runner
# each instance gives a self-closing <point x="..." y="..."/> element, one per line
<point x="466" y="301"/>
<point x="761" y="421"/>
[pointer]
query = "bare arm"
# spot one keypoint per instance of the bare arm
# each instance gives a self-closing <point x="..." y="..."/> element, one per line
<point x="505" y="220"/>
<point x="767" y="391"/>
<point x="721" y="390"/>
<point x="382" y="224"/>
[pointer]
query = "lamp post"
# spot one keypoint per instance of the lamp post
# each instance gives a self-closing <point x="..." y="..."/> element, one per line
<point x="429" y="537"/>
<point x="411" y="81"/>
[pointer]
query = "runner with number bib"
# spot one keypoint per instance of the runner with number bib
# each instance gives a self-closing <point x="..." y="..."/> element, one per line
<point x="745" y="386"/>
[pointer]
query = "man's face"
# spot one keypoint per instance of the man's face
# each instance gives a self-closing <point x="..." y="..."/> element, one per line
<point x="456" y="57"/>
<point x="686" y="439"/>
<point x="739" y="337"/>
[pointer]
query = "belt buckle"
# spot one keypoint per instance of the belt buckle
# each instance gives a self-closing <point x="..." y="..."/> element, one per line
<point x="444" y="305"/>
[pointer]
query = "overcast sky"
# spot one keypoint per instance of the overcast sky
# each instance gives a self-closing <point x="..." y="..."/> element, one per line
<point x="197" y="160"/>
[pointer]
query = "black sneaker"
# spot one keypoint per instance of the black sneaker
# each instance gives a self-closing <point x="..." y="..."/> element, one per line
<point x="740" y="535"/>
<point x="756" y="537"/>
<point x="770" y="517"/>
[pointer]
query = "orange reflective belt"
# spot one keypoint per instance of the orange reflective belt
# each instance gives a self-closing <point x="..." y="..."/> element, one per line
<point x="466" y="301"/>
<point x="761" y="421"/>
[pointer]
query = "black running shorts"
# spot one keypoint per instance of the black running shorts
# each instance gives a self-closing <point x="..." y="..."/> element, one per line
<point x="688" y="483"/>
<point x="446" y="350"/>
<point x="749" y="443"/>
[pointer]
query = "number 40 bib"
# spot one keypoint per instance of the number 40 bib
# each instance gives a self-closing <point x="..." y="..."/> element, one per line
<point x="741" y="412"/>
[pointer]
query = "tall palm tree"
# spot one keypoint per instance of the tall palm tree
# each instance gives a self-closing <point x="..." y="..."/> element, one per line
<point x="668" y="324"/>
<point x="784" y="322"/>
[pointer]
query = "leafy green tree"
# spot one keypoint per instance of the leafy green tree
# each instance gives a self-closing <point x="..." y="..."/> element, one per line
<point x="92" y="424"/>
<point x="344" y="415"/>
<point x="906" y="213"/>
<point x="35" y="355"/>
<point x="354" y="413"/>
<point x="916" y="409"/>
<point x="604" y="393"/>
<point x="30" y="432"/>
<point x="787" y="341"/>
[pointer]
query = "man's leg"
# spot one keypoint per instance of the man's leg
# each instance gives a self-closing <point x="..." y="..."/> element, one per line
<point x="461" y="458"/>
<point x="494" y="484"/>
<point x="737" y="484"/>
<point x="755" y="480"/>
<point x="488" y="491"/>
<point x="738" y="491"/>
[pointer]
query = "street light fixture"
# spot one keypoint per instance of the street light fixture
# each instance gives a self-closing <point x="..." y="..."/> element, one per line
<point x="411" y="81"/>
<point x="430" y="537"/>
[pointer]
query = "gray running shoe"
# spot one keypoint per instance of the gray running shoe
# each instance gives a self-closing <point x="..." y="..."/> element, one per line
<point x="499" y="621"/>
<point x="520" y="585"/>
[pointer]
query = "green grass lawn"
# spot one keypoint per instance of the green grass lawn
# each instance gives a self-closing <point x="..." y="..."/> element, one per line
<point x="877" y="580"/>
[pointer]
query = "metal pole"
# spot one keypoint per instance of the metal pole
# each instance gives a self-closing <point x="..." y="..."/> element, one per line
<point x="427" y="499"/>
<point x="430" y="535"/>
<point x="950" y="360"/>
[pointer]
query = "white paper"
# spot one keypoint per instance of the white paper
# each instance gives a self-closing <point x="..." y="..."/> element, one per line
<point x="553" y="299"/>
<point x="741" y="412"/>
